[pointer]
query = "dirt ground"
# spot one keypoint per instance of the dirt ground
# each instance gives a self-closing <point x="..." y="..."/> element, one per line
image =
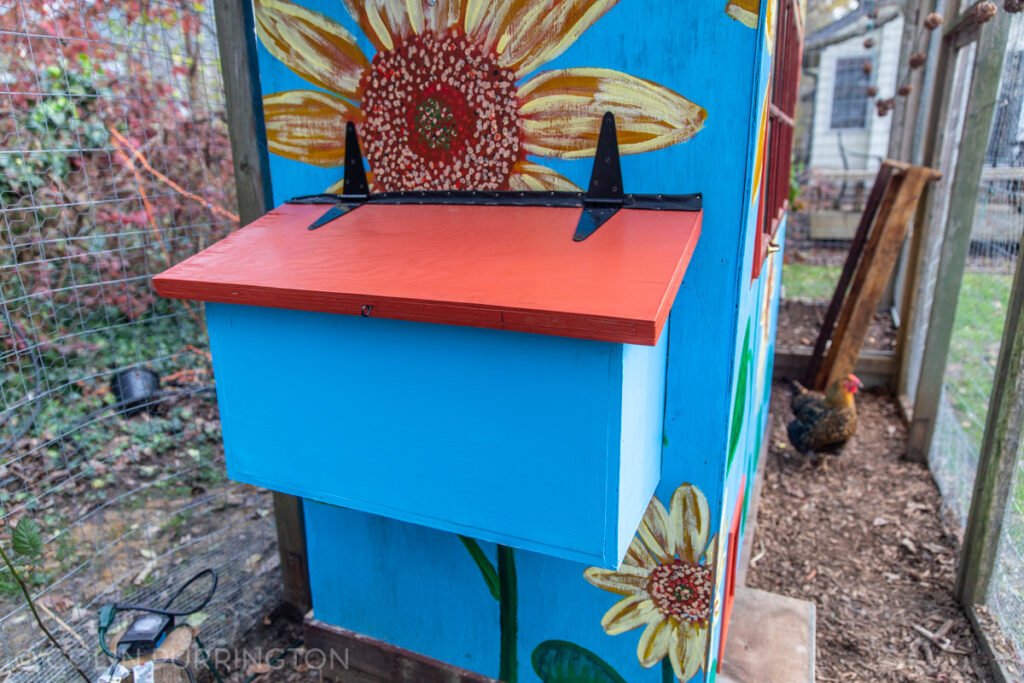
<point x="863" y="538"/>
<point x="799" y="322"/>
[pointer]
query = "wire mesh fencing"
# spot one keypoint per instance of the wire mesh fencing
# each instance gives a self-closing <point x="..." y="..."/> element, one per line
<point x="984" y="294"/>
<point x="1001" y="208"/>
<point x="114" y="163"/>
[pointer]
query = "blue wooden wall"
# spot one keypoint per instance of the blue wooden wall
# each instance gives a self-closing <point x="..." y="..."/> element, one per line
<point x="419" y="588"/>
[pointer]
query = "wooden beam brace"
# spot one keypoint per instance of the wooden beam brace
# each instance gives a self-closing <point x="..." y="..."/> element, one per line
<point x="885" y="174"/>
<point x="355" y="658"/>
<point x="876" y="266"/>
<point x="236" y="38"/>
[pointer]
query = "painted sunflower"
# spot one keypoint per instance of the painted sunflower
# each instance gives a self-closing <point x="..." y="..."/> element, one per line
<point x="441" y="104"/>
<point x="668" y="582"/>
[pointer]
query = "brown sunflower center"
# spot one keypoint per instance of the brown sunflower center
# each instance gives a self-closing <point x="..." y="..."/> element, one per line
<point x="682" y="590"/>
<point x="441" y="114"/>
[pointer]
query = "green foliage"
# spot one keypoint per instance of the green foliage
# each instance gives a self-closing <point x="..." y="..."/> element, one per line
<point x="27" y="539"/>
<point x="795" y="186"/>
<point x="61" y="120"/>
<point x="559" y="661"/>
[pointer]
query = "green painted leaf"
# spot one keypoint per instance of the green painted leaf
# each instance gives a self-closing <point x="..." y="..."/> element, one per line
<point x="27" y="538"/>
<point x="559" y="661"/>
<point x="486" y="568"/>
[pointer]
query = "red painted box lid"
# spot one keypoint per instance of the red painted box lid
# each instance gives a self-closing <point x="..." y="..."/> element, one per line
<point x="504" y="267"/>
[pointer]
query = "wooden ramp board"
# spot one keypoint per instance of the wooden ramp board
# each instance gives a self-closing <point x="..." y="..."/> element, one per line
<point x="869" y="264"/>
<point x="514" y="268"/>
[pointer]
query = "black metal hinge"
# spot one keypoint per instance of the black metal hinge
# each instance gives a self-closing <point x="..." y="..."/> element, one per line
<point x="602" y="200"/>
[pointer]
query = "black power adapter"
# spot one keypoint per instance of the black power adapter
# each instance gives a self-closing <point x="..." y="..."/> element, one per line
<point x="144" y="635"/>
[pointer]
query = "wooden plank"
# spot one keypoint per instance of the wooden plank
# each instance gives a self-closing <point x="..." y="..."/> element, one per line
<point x="512" y="268"/>
<point x="874" y="368"/>
<point x="1001" y="664"/>
<point x="997" y="462"/>
<point x="236" y="39"/>
<point x="860" y="268"/>
<point x="356" y="658"/>
<point x="873" y="275"/>
<point x="882" y="180"/>
<point x="291" y="544"/>
<point x="981" y="102"/>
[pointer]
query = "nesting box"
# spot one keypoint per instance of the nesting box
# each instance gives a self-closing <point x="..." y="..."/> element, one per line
<point x="470" y="368"/>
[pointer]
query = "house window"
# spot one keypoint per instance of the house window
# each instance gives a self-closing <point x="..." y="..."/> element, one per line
<point x="849" y="94"/>
<point x="789" y="45"/>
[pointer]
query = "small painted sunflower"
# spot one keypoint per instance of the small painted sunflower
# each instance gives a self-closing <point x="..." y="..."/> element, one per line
<point x="441" y="104"/>
<point x="668" y="582"/>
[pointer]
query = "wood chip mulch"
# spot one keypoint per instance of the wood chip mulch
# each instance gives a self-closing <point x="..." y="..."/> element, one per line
<point x="799" y="322"/>
<point x="863" y="538"/>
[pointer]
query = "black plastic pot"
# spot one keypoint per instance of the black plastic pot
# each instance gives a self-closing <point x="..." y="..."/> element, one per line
<point x="135" y="389"/>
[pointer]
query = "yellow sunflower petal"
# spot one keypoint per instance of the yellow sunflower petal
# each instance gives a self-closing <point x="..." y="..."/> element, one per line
<point x="655" y="642"/>
<point x="387" y="22"/>
<point x="561" y="113"/>
<point x="654" y="531"/>
<point x="744" y="11"/>
<point x="689" y="523"/>
<point x="639" y="556"/>
<point x="626" y="581"/>
<point x="629" y="613"/>
<point x="529" y="176"/>
<point x="443" y="15"/>
<point x="308" y="125"/>
<point x="339" y="187"/>
<point x="313" y="46"/>
<point x="529" y="33"/>
<point x="686" y="652"/>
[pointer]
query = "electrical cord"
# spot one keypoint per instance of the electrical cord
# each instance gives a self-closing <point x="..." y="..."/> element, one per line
<point x="166" y="611"/>
<point x="108" y="613"/>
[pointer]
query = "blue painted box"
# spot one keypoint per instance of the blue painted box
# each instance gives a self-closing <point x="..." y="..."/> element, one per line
<point x="539" y="442"/>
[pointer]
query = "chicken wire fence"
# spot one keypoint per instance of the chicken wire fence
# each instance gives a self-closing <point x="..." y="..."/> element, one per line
<point x="113" y="165"/>
<point x="996" y="233"/>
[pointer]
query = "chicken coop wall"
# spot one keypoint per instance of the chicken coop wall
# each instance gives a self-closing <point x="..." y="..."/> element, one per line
<point x="720" y="338"/>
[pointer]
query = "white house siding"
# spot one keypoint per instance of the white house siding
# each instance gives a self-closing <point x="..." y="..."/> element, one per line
<point x="865" y="147"/>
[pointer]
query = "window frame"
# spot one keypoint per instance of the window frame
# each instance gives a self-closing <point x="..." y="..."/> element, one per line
<point x="782" y="103"/>
<point x="856" y="95"/>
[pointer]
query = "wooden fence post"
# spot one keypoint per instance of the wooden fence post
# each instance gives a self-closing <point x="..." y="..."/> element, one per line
<point x="981" y="101"/>
<point x="236" y="38"/>
<point x="999" y="453"/>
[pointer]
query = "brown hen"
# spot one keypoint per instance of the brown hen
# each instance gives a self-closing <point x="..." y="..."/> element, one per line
<point x="824" y="422"/>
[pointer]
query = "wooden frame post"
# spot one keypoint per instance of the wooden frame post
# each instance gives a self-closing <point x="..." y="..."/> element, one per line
<point x="1004" y="433"/>
<point x="981" y="101"/>
<point x="236" y="38"/>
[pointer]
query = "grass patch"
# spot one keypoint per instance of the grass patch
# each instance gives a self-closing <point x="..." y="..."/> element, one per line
<point x="974" y="348"/>
<point x="809" y="282"/>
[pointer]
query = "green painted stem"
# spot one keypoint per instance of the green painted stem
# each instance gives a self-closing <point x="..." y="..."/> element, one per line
<point x="509" y="607"/>
<point x="667" y="675"/>
<point x="485" y="566"/>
